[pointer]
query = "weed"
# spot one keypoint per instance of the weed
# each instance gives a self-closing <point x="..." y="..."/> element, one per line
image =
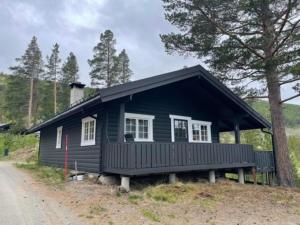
<point x="97" y="210"/>
<point x="134" y="198"/>
<point x="169" y="193"/>
<point x="150" y="215"/>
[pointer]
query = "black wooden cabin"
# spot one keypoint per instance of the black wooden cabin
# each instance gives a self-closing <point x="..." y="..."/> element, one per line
<point x="163" y="124"/>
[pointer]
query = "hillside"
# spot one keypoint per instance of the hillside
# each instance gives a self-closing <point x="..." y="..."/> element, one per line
<point x="291" y="112"/>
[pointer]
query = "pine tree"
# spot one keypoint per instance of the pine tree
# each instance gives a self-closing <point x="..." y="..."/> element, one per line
<point x="69" y="75"/>
<point x="102" y="73"/>
<point x="245" y="42"/>
<point x="30" y="66"/>
<point x="124" y="72"/>
<point x="16" y="97"/>
<point x="53" y="72"/>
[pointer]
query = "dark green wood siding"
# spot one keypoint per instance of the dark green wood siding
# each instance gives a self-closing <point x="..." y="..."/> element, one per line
<point x="87" y="157"/>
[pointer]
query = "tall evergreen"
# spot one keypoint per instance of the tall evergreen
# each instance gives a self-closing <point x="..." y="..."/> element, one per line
<point x="69" y="75"/>
<point x="53" y="72"/>
<point x="30" y="66"/>
<point x="124" y="72"/>
<point x="16" y="95"/>
<point x="245" y="42"/>
<point x="102" y="64"/>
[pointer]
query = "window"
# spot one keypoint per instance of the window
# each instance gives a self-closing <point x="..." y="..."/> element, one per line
<point x="183" y="128"/>
<point x="139" y="126"/>
<point x="201" y="131"/>
<point x="58" y="137"/>
<point x="88" y="131"/>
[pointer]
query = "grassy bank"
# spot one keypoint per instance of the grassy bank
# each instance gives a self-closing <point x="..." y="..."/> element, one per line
<point x="49" y="175"/>
<point x="15" y="142"/>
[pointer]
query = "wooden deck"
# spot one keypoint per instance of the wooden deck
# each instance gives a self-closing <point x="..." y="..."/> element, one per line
<point x="150" y="158"/>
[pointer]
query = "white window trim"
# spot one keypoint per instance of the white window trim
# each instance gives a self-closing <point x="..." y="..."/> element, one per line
<point x="135" y="116"/>
<point x="59" y="131"/>
<point x="190" y="128"/>
<point x="202" y="123"/>
<point x="89" y="142"/>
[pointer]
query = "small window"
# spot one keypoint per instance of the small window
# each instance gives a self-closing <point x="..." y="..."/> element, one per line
<point x="181" y="130"/>
<point x="139" y="126"/>
<point x="88" y="131"/>
<point x="58" y="137"/>
<point x="201" y="131"/>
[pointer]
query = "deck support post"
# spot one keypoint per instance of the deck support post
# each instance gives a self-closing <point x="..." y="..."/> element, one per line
<point x="212" y="176"/>
<point x="237" y="134"/>
<point x="254" y="175"/>
<point x="172" y="178"/>
<point x="241" y="176"/>
<point x="121" y="123"/>
<point x="125" y="184"/>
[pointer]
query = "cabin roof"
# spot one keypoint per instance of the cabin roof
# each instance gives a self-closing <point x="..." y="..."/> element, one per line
<point x="130" y="88"/>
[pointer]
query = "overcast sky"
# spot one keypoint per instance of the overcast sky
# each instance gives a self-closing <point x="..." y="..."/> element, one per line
<point x="76" y="26"/>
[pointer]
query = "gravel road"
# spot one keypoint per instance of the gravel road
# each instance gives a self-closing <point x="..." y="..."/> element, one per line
<point x="22" y="204"/>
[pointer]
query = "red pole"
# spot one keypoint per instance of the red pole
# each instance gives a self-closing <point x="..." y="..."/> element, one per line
<point x="66" y="157"/>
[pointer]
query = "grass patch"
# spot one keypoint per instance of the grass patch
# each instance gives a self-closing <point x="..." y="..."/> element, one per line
<point x="14" y="142"/>
<point x="49" y="175"/>
<point x="97" y="210"/>
<point x="169" y="193"/>
<point x="134" y="199"/>
<point x="150" y="215"/>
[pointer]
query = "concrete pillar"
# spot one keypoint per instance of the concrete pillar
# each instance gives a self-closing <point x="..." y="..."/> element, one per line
<point x="241" y="176"/>
<point x="212" y="177"/>
<point x="172" y="178"/>
<point x="125" y="184"/>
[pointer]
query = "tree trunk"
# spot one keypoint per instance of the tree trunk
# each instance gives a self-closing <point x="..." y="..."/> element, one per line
<point x="283" y="163"/>
<point x="30" y="103"/>
<point x="55" y="94"/>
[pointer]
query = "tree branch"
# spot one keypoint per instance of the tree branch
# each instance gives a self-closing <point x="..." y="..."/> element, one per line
<point x="287" y="37"/>
<point x="289" y="81"/>
<point x="231" y="35"/>
<point x="290" y="98"/>
<point x="283" y="23"/>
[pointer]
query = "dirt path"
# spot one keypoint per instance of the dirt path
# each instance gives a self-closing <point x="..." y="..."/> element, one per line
<point x="22" y="204"/>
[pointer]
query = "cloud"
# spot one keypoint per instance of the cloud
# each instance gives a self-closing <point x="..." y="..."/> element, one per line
<point x="76" y="26"/>
<point x="23" y="13"/>
<point x="77" y="15"/>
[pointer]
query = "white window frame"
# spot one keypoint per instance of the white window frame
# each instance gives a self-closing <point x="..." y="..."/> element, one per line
<point x="137" y="117"/>
<point x="59" y="136"/>
<point x="202" y="123"/>
<point x="190" y="128"/>
<point x="88" y="142"/>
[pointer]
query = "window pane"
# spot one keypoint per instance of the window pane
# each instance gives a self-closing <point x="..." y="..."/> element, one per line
<point x="181" y="128"/>
<point x="131" y="127"/>
<point x="92" y="126"/>
<point x="196" y="132"/>
<point x="86" y="131"/>
<point x="204" y="134"/>
<point x="143" y="129"/>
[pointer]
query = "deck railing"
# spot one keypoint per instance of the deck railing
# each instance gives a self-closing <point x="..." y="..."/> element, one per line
<point x="145" y="158"/>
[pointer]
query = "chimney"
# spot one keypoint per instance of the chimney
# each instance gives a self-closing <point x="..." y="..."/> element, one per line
<point x="77" y="92"/>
